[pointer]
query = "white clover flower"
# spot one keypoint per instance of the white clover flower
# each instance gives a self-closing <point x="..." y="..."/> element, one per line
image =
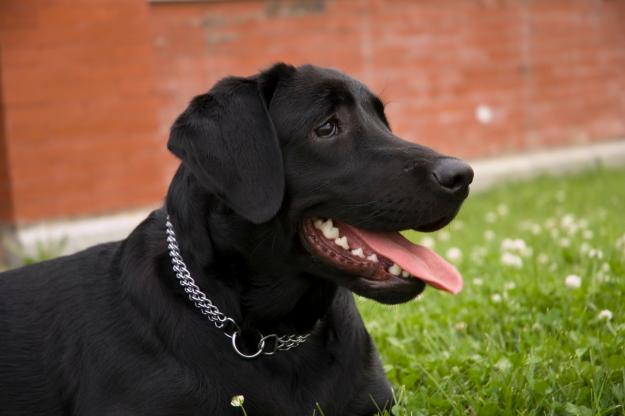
<point x="237" y="401"/>
<point x="595" y="253"/>
<point x="587" y="234"/>
<point x="573" y="281"/>
<point x="443" y="235"/>
<point x="567" y="221"/>
<point x="510" y="259"/>
<point x="478" y="281"/>
<point x="496" y="298"/>
<point x="572" y="229"/>
<point x="509" y="285"/>
<point x="513" y="245"/>
<point x="603" y="274"/>
<point x="565" y="242"/>
<point x="536" y="229"/>
<point x="584" y="248"/>
<point x="516" y="247"/>
<point x="490" y="217"/>
<point x="503" y="364"/>
<point x="569" y="224"/>
<point x="428" y="242"/>
<point x="502" y="209"/>
<point x="453" y="254"/>
<point x="605" y="315"/>
<point x="507" y="244"/>
<point x="460" y="326"/>
<point x="489" y="235"/>
<point x="478" y="254"/>
<point x="542" y="258"/>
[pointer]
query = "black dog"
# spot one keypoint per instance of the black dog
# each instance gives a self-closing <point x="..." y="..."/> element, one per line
<point x="289" y="196"/>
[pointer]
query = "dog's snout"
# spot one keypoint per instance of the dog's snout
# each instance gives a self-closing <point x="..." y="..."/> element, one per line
<point x="452" y="174"/>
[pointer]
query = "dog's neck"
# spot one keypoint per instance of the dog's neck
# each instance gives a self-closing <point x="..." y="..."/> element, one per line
<point x="241" y="266"/>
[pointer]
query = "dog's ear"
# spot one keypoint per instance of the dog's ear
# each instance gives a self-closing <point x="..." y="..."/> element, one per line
<point x="227" y="139"/>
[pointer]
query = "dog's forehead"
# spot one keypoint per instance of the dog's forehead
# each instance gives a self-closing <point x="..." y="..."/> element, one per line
<point x="320" y="74"/>
<point x="312" y="85"/>
<point x="311" y="94"/>
<point x="317" y="80"/>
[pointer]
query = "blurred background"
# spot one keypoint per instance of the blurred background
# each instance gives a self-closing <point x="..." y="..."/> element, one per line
<point x="89" y="88"/>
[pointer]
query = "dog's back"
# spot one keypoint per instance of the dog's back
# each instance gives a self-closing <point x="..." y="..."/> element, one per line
<point x="45" y="309"/>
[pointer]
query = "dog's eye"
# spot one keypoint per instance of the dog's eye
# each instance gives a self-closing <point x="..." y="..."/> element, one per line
<point x="328" y="129"/>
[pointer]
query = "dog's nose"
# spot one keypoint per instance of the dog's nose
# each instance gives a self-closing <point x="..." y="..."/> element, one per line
<point x="452" y="174"/>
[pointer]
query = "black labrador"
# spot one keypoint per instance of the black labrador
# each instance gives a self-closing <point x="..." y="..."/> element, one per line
<point x="290" y="193"/>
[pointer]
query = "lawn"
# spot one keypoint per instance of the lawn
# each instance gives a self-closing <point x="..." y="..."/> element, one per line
<point x="539" y="328"/>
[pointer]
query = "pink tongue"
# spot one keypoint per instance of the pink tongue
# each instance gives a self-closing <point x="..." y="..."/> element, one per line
<point x="419" y="261"/>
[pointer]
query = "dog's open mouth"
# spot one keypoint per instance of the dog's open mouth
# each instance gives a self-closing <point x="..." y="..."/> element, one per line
<point x="377" y="256"/>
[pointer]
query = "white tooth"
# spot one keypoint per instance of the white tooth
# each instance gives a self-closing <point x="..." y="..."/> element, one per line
<point x="358" y="253"/>
<point x="373" y="258"/>
<point x="405" y="274"/>
<point x="395" y="270"/>
<point x="329" y="231"/>
<point x="318" y="224"/>
<point x="342" y="242"/>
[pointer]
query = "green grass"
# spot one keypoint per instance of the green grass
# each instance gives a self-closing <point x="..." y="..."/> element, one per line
<point x="518" y="340"/>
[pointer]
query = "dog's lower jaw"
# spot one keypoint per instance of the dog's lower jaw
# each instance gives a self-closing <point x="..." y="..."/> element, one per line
<point x="364" y="275"/>
<point x="400" y="291"/>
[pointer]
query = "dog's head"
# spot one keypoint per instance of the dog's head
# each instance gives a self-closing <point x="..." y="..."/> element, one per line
<point x="306" y="170"/>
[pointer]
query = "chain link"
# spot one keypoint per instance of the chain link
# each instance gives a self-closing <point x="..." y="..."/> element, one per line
<point x="212" y="312"/>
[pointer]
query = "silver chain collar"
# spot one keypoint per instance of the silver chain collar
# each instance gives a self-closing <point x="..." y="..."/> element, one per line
<point x="267" y="344"/>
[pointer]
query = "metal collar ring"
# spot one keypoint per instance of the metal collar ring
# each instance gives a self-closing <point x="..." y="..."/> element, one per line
<point x="261" y="346"/>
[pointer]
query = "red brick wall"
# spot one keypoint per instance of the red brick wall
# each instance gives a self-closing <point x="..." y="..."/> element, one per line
<point x="5" y="190"/>
<point x="550" y="71"/>
<point x="90" y="88"/>
<point x="80" y="111"/>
